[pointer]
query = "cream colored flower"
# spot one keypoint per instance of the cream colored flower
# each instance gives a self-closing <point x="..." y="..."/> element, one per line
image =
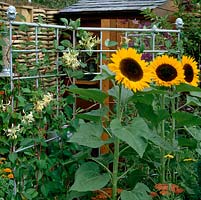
<point x="88" y="41"/>
<point x="3" y="107"/>
<point x="41" y="104"/>
<point x="125" y="40"/>
<point x="12" y="132"/>
<point x="28" y="118"/>
<point x="70" y="59"/>
<point x="47" y="98"/>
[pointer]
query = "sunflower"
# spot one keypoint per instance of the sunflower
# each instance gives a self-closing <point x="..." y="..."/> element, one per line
<point x="167" y="71"/>
<point x="191" y="71"/>
<point x="130" y="69"/>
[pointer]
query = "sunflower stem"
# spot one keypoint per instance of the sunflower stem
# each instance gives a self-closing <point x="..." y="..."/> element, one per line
<point x="162" y="170"/>
<point x="116" y="152"/>
<point x="173" y="133"/>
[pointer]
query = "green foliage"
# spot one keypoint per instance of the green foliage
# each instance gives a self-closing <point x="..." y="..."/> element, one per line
<point x="51" y="145"/>
<point x="44" y="3"/>
<point x="140" y="192"/>
<point x="89" y="178"/>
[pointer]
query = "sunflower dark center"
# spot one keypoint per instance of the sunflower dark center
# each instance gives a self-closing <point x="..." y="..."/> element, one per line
<point x="188" y="72"/>
<point x="166" y="72"/>
<point x="131" y="69"/>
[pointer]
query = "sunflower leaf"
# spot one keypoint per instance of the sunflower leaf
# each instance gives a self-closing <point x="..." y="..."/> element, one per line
<point x="140" y="192"/>
<point x="186" y="119"/>
<point x="95" y="95"/>
<point x="187" y="88"/>
<point x="89" y="178"/>
<point x="89" y="135"/>
<point x="126" y="94"/>
<point x="133" y="134"/>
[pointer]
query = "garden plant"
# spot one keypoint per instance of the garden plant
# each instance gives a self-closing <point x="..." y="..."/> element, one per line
<point x="150" y="130"/>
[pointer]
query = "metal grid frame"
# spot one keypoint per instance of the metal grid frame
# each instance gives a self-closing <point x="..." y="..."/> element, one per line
<point x="8" y="70"/>
<point x="58" y="29"/>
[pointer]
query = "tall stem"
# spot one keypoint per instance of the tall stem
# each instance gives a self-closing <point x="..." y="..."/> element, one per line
<point x="162" y="170"/>
<point x="173" y="132"/>
<point x="116" y="152"/>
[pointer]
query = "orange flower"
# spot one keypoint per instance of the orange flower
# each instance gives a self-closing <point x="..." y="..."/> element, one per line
<point x="153" y="194"/>
<point x="105" y="193"/>
<point x="10" y="176"/>
<point x="165" y="189"/>
<point x="7" y="170"/>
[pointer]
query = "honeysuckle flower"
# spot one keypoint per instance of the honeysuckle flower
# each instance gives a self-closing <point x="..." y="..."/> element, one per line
<point x="12" y="132"/>
<point x="28" y="118"/>
<point x="125" y="40"/>
<point x="47" y="98"/>
<point x="41" y="104"/>
<point x="70" y="59"/>
<point x="88" y="41"/>
<point x="3" y="107"/>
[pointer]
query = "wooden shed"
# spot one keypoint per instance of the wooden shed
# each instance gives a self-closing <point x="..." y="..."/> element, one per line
<point x="114" y="13"/>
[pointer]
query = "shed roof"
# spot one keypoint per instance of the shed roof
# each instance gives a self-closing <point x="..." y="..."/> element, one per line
<point x="88" y="6"/>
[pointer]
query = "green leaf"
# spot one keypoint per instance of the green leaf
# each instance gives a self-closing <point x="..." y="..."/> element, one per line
<point x="66" y="43"/>
<point x="195" y="132"/>
<point x="186" y="119"/>
<point x="194" y="101"/>
<point x="106" y="74"/>
<point x="64" y="20"/>
<point x="125" y="93"/>
<point x="89" y="178"/>
<point x="140" y="192"/>
<point x="74" y="24"/>
<point x="147" y="112"/>
<point x="21" y="101"/>
<point x="134" y="134"/>
<point x="41" y="164"/>
<point x="74" y="195"/>
<point x="12" y="157"/>
<point x="4" y="150"/>
<point x="187" y="88"/>
<point x="144" y="98"/>
<point x="110" y="43"/>
<point x="94" y="115"/>
<point x="44" y="190"/>
<point x="26" y="90"/>
<point x="89" y="135"/>
<point x="196" y="94"/>
<point x="90" y="94"/>
<point x="30" y="193"/>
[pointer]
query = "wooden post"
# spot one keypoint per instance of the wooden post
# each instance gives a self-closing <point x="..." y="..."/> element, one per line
<point x="107" y="23"/>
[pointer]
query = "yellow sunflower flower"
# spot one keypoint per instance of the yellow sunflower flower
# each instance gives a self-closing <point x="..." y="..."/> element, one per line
<point x="167" y="71"/>
<point x="130" y="69"/>
<point x="191" y="72"/>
